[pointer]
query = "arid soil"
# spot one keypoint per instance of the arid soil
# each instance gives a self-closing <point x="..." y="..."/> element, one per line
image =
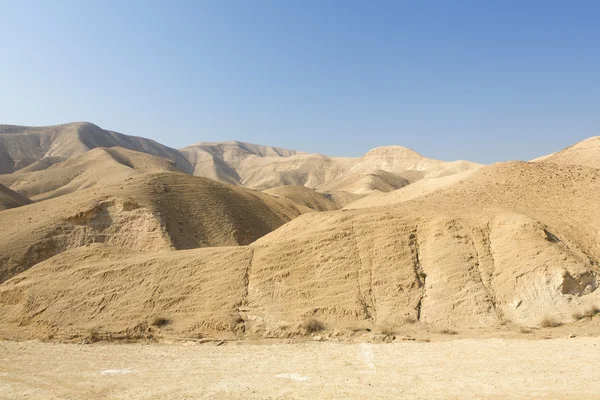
<point x="458" y="369"/>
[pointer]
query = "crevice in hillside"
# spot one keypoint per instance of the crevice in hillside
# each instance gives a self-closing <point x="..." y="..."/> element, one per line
<point x="419" y="305"/>
<point x="486" y="277"/>
<point x="580" y="253"/>
<point x="240" y="323"/>
<point x="369" y="309"/>
<point x="420" y="275"/>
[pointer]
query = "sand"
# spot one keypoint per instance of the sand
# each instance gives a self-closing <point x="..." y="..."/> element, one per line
<point x="462" y="369"/>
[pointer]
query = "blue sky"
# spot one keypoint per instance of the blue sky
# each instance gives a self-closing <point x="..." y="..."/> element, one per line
<point x="480" y="80"/>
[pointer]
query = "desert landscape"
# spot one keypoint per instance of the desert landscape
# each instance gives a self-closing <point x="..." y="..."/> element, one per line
<point x="331" y="274"/>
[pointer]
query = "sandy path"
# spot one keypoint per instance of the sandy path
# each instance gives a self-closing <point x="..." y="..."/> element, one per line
<point x="460" y="369"/>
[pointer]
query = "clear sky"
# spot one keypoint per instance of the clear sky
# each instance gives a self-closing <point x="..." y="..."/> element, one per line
<point x="480" y="80"/>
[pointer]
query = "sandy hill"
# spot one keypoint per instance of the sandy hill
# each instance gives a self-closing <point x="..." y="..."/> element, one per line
<point x="99" y="166"/>
<point x="513" y="242"/>
<point x="417" y="189"/>
<point x="37" y="148"/>
<point x="160" y="211"/>
<point x="366" y="183"/>
<point x="264" y="167"/>
<point x="31" y="151"/>
<point x="11" y="199"/>
<point x="585" y="153"/>
<point x="306" y="197"/>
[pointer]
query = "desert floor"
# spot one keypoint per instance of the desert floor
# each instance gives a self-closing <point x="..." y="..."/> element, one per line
<point x="456" y="369"/>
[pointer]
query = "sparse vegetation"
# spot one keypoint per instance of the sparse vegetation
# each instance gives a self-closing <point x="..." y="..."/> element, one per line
<point x="386" y="330"/>
<point x="448" y="331"/>
<point x="93" y="334"/>
<point x="549" y="322"/>
<point x="313" y="325"/>
<point x="524" y="330"/>
<point x="587" y="313"/>
<point x="160" y="321"/>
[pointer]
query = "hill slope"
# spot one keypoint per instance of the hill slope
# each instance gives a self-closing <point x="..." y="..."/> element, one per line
<point x="37" y="148"/>
<point x="161" y="211"/>
<point x="10" y="199"/>
<point x="264" y="167"/>
<point x="95" y="167"/>
<point x="365" y="183"/>
<point x="513" y="242"/>
<point x="585" y="153"/>
<point x="417" y="189"/>
<point x="305" y="197"/>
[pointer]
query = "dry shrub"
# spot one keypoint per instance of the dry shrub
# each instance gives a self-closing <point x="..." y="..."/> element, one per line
<point x="593" y="310"/>
<point x="93" y="334"/>
<point x="448" y="332"/>
<point x="235" y="321"/>
<point x="313" y="325"/>
<point x="577" y="315"/>
<point x="549" y="322"/>
<point x="587" y="313"/>
<point x="524" y="330"/>
<point x="160" y="321"/>
<point x="386" y="330"/>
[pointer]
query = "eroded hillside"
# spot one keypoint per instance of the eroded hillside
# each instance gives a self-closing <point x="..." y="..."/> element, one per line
<point x="515" y="242"/>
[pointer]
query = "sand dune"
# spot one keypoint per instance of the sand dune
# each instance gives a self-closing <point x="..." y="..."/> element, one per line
<point x="160" y="211"/>
<point x="11" y="199"/>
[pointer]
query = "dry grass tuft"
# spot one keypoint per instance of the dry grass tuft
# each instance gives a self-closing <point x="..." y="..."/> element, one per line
<point x="93" y="334"/>
<point x="447" y="331"/>
<point x="549" y="322"/>
<point x="313" y="325"/>
<point x="587" y="313"/>
<point x="160" y="321"/>
<point x="386" y="330"/>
